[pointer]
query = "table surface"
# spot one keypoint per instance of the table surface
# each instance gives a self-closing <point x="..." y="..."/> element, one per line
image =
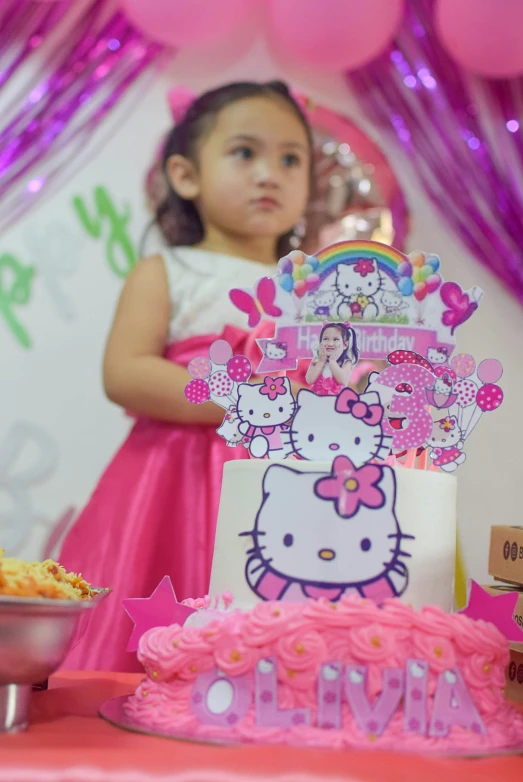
<point x="68" y="742"/>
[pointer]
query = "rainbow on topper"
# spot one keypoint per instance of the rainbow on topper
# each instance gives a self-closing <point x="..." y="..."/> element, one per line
<point x="390" y="260"/>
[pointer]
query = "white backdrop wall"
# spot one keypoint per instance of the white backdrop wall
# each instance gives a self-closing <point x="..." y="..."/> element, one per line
<point x="57" y="431"/>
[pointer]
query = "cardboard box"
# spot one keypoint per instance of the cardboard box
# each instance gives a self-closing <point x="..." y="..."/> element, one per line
<point x="502" y="590"/>
<point x="506" y="554"/>
<point x="514" y="686"/>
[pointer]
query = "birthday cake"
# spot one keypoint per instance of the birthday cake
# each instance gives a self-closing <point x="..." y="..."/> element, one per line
<point x="337" y="675"/>
<point x="335" y="537"/>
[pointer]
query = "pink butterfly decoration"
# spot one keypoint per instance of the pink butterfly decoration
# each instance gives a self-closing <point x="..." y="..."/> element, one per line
<point x="259" y="302"/>
<point x="460" y="307"/>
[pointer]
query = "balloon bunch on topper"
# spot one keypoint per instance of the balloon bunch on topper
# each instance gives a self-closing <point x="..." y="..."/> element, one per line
<point x="216" y="377"/>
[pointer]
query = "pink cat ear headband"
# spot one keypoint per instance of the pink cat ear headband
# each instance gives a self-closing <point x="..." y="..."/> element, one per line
<point x="181" y="99"/>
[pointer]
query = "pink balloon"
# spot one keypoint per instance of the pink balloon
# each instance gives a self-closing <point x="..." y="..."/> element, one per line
<point x="490" y="370"/>
<point x="484" y="36"/>
<point x="336" y="36"/>
<point x="420" y="291"/>
<point x="463" y="364"/>
<point x="467" y="391"/>
<point x="489" y="397"/>
<point x="187" y="22"/>
<point x="312" y="282"/>
<point x="220" y="351"/>
<point x="433" y="283"/>
<point x="239" y="369"/>
<point x="220" y="383"/>
<point x="197" y="392"/>
<point x="300" y="288"/>
<point x="200" y="367"/>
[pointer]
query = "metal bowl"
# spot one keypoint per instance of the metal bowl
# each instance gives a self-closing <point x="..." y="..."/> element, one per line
<point x="35" y="636"/>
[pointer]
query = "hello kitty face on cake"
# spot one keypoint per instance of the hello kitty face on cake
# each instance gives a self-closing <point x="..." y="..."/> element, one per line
<point x="276" y="350"/>
<point x="328" y="426"/>
<point x="437" y="356"/>
<point x="304" y="547"/>
<point x="445" y="433"/>
<point x="362" y="277"/>
<point x="262" y="406"/>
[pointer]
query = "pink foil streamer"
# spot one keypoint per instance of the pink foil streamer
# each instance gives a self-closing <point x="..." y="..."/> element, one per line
<point x="87" y="74"/>
<point x="423" y="100"/>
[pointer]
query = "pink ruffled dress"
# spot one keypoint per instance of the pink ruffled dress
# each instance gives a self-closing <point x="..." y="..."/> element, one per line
<point x="326" y="384"/>
<point x="154" y="510"/>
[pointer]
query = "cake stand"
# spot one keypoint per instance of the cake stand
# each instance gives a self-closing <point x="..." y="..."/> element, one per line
<point x="35" y="636"/>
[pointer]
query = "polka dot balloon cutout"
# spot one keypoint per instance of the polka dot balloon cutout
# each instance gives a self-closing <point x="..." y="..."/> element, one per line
<point x="489" y="397"/>
<point x="239" y="369"/>
<point x="463" y="364"/>
<point x="220" y="383"/>
<point x="199" y="368"/>
<point x="466" y="391"/>
<point x="197" y="392"/>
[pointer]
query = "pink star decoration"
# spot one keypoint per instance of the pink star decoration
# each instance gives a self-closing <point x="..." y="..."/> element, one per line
<point x="161" y="609"/>
<point x="497" y="609"/>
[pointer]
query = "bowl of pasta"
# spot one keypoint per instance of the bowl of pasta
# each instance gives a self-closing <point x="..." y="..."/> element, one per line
<point x="40" y="608"/>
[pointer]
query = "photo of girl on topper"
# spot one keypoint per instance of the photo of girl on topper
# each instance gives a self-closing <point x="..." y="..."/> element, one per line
<point x="337" y="354"/>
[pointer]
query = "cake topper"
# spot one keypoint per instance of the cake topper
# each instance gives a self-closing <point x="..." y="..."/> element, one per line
<point x="267" y="419"/>
<point x="392" y="300"/>
<point x="352" y="299"/>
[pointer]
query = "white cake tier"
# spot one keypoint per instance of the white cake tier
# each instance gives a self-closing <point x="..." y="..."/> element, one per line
<point x="305" y="548"/>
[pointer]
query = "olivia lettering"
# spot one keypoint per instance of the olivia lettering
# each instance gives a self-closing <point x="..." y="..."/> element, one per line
<point x="218" y="699"/>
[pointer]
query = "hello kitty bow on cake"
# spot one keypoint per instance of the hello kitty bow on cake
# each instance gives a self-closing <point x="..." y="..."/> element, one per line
<point x="393" y="301"/>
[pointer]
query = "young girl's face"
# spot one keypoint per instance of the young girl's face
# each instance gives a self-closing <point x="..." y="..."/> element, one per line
<point x="254" y="169"/>
<point x="332" y="341"/>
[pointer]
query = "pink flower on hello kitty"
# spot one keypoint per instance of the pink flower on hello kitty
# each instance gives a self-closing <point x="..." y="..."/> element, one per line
<point x="350" y="487"/>
<point x="273" y="387"/>
<point x="447" y="424"/>
<point x="364" y="267"/>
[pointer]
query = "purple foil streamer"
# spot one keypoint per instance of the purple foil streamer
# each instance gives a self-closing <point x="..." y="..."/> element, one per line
<point x="418" y="95"/>
<point x="86" y="75"/>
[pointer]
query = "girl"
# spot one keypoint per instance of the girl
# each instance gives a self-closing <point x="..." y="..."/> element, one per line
<point x="338" y="353"/>
<point x="239" y="171"/>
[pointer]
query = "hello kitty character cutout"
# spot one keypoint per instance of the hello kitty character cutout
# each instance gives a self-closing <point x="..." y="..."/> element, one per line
<point x="341" y="538"/>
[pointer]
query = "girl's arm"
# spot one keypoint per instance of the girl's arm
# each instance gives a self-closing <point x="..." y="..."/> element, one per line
<point x="135" y="374"/>
<point x="315" y="369"/>
<point x="316" y="366"/>
<point x="341" y="374"/>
